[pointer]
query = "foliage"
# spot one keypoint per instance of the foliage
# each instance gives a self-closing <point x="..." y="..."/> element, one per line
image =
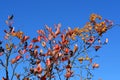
<point x="53" y="54"/>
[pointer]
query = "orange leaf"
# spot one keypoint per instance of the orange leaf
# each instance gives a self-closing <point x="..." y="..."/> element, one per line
<point x="19" y="34"/>
<point x="66" y="50"/>
<point x="13" y="61"/>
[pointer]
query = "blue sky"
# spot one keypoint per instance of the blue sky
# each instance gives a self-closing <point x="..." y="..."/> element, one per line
<point x="31" y="15"/>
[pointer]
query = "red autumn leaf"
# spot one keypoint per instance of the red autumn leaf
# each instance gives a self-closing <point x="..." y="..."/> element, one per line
<point x="18" y="57"/>
<point x="49" y="52"/>
<point x="63" y="37"/>
<point x="68" y="66"/>
<point x="36" y="46"/>
<point x="24" y="51"/>
<point x="38" y="69"/>
<point x="4" y="78"/>
<point x="66" y="50"/>
<point x="68" y="74"/>
<point x="35" y="53"/>
<point x="64" y="59"/>
<point x="30" y="46"/>
<point x="50" y="31"/>
<point x="56" y="47"/>
<point x="91" y="40"/>
<point x="34" y="40"/>
<point x="97" y="47"/>
<point x="40" y="32"/>
<point x="38" y="61"/>
<point x="24" y="39"/>
<point x="39" y="38"/>
<point x="64" y="40"/>
<point x="43" y="78"/>
<point x="20" y="52"/>
<point x="95" y="65"/>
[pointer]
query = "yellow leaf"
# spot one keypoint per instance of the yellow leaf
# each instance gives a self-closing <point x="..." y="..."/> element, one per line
<point x="94" y="16"/>
<point x="104" y="29"/>
<point x="87" y="58"/>
<point x="19" y="34"/>
<point x="81" y="59"/>
<point x="13" y="34"/>
<point x="8" y="47"/>
<point x="76" y="30"/>
<point x="90" y="27"/>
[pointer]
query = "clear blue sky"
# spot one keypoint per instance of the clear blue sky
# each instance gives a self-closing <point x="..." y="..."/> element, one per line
<point x="31" y="15"/>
